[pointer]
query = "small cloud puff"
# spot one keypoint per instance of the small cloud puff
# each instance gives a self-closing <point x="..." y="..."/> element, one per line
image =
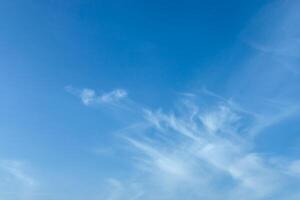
<point x="89" y="96"/>
<point x="113" y="96"/>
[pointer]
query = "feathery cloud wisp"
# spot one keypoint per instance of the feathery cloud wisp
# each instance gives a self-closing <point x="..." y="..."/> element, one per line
<point x="196" y="153"/>
<point x="18" y="183"/>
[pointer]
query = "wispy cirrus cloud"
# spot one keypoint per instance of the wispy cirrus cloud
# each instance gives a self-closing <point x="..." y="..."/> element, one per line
<point x="279" y="33"/>
<point x="197" y="147"/>
<point x="17" y="181"/>
<point x="194" y="152"/>
<point x="16" y="170"/>
<point x="208" y="150"/>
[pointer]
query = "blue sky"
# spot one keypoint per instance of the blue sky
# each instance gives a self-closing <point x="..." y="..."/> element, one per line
<point x="166" y="100"/>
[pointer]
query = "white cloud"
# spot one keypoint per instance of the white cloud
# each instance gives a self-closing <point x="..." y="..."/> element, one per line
<point x="181" y="152"/>
<point x="16" y="170"/>
<point x="199" y="153"/>
<point x="89" y="96"/>
<point x="16" y="181"/>
<point x="161" y="161"/>
<point x="113" y="96"/>
<point x="218" y="120"/>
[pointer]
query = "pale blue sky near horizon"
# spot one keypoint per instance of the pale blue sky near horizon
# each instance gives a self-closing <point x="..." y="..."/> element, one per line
<point x="116" y="100"/>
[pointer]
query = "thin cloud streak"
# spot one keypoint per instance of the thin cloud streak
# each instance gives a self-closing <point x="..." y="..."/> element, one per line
<point x="15" y="176"/>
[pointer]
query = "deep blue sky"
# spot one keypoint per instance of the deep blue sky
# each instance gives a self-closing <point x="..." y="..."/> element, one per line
<point x="237" y="60"/>
<point x="162" y="44"/>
